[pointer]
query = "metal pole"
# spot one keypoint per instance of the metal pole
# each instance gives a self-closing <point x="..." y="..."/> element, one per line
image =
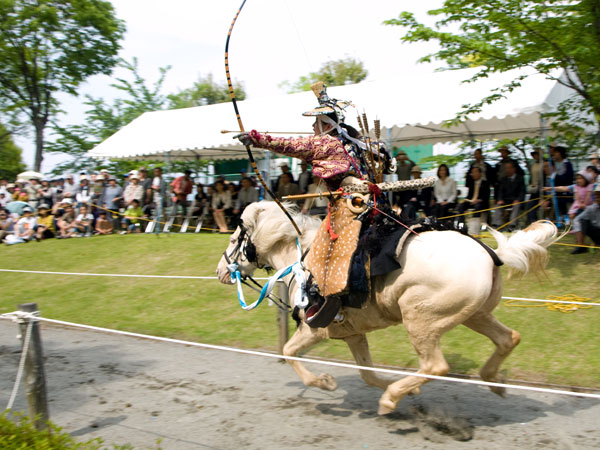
<point x="283" y="318"/>
<point x="35" y="379"/>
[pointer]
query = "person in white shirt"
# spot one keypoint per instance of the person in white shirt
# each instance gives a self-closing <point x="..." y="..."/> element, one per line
<point x="26" y="225"/>
<point x="316" y="206"/>
<point x="444" y="192"/>
<point x="83" y="222"/>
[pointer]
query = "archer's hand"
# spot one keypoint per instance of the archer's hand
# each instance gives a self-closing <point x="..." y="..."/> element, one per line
<point x="244" y="138"/>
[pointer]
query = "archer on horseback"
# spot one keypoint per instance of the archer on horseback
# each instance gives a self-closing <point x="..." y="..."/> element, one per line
<point x="340" y="156"/>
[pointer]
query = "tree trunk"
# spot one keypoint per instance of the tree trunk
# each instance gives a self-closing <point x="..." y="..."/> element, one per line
<point x="39" y="145"/>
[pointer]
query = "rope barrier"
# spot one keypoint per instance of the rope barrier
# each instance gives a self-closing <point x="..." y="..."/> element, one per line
<point x="149" y="220"/>
<point x="315" y="361"/>
<point x="557" y="303"/>
<point x="216" y="278"/>
<point x="489" y="209"/>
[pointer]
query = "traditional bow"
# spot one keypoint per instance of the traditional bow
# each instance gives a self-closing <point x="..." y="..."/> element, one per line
<point x="239" y="119"/>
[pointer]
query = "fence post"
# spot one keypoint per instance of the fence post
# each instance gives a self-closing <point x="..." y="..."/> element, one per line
<point x="35" y="379"/>
<point x="282" y="318"/>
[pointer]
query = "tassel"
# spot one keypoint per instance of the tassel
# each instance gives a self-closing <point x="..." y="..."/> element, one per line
<point x="332" y="234"/>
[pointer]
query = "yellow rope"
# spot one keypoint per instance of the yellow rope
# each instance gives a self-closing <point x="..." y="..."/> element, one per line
<point x="490" y="209"/>
<point x="560" y="307"/>
<point x="150" y="220"/>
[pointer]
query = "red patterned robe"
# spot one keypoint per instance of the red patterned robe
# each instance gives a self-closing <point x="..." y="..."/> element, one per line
<point x="329" y="257"/>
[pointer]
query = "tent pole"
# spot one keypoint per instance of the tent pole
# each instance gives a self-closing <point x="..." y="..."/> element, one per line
<point x="550" y="178"/>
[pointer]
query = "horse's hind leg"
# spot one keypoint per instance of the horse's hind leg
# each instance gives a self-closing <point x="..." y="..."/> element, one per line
<point x="304" y="338"/>
<point x="360" y="350"/>
<point x="503" y="337"/>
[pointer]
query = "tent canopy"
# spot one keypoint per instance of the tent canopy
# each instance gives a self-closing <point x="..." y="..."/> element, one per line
<point x="412" y="110"/>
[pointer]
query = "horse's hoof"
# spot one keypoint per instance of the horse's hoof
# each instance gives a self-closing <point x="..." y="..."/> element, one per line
<point x="386" y="407"/>
<point x="326" y="382"/>
<point x="498" y="390"/>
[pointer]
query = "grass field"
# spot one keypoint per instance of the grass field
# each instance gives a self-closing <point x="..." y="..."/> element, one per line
<point x="555" y="347"/>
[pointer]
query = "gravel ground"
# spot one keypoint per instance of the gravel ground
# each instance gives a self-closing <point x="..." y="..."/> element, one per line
<point x="129" y="390"/>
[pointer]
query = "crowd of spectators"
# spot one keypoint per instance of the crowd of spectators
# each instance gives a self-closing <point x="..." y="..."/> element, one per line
<point x="498" y="193"/>
<point x="101" y="204"/>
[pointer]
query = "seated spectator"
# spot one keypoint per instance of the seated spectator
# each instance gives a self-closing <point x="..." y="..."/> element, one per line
<point x="246" y="195"/>
<point x="316" y="206"/>
<point x="131" y="218"/>
<point x="582" y="192"/>
<point x="26" y="225"/>
<point x="511" y="191"/>
<point x="478" y="197"/>
<point x="103" y="225"/>
<point x="45" y="223"/>
<point x="66" y="219"/>
<point x="286" y="185"/>
<point x="588" y="224"/>
<point x="221" y="201"/>
<point x="419" y="199"/>
<point x="7" y="225"/>
<point x="444" y="192"/>
<point x="84" y="222"/>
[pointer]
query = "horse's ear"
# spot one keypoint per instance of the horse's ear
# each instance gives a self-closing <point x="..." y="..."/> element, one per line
<point x="251" y="214"/>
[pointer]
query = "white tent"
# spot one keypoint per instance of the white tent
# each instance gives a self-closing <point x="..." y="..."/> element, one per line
<point x="411" y="109"/>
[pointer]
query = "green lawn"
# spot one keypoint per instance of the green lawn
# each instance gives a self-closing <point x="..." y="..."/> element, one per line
<point x="555" y="347"/>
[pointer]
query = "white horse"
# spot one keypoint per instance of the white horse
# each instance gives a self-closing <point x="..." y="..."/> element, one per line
<point x="446" y="279"/>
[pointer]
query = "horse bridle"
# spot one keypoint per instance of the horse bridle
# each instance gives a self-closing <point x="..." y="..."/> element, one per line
<point x="249" y="253"/>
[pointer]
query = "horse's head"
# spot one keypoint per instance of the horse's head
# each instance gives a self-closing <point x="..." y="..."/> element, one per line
<point x="265" y="238"/>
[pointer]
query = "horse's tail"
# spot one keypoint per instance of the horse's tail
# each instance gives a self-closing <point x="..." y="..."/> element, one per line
<point x="525" y="251"/>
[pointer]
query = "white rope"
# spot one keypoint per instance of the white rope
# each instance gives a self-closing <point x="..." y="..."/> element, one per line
<point x="326" y="363"/>
<point x="216" y="278"/>
<point x="116" y="275"/>
<point x="20" y="317"/>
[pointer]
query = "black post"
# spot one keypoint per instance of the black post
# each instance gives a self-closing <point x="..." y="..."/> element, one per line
<point x="35" y="379"/>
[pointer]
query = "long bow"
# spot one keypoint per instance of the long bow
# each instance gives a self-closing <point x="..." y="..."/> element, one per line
<point x="239" y="119"/>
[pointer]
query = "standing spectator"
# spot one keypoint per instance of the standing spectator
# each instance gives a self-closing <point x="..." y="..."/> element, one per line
<point x="146" y="184"/>
<point x="595" y="160"/>
<point x="57" y="191"/>
<point x="444" y="192"/>
<point x="511" y="191"/>
<point x="316" y="206"/>
<point x="131" y="218"/>
<point x="500" y="169"/>
<point x="103" y="225"/>
<point x="588" y="224"/>
<point x="419" y="199"/>
<point x="478" y="197"/>
<point x="112" y="199"/>
<point x="45" y="223"/>
<point x="246" y="195"/>
<point x="84" y="222"/>
<point x="133" y="191"/>
<point x="488" y="173"/>
<point x="32" y="189"/>
<point x="97" y="191"/>
<point x="221" y="201"/>
<point x="159" y="195"/>
<point x="305" y="178"/>
<point x="287" y="186"/>
<point x="181" y="187"/>
<point x="404" y="168"/>
<point x="69" y="187"/>
<point x="26" y="225"/>
<point x="536" y="184"/>
<point x="84" y="193"/>
<point x="7" y="225"/>
<point x="562" y="173"/>
<point x="3" y="199"/>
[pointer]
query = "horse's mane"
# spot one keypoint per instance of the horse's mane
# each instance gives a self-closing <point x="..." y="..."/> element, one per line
<point x="269" y="226"/>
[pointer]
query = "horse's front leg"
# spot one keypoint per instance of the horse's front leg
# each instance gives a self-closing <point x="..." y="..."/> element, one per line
<point x="359" y="347"/>
<point x="304" y="338"/>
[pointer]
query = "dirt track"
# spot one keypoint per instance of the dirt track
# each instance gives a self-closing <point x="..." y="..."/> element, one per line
<point x="131" y="390"/>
